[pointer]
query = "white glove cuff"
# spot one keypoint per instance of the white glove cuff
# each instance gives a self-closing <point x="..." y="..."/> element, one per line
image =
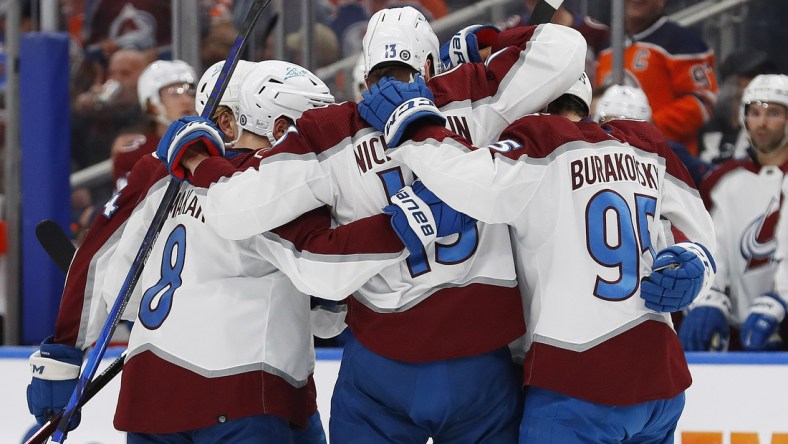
<point x="708" y="272"/>
<point x="406" y="109"/>
<point x="52" y="369"/>
<point x="418" y="213"/>
<point x="716" y="299"/>
<point x="768" y="306"/>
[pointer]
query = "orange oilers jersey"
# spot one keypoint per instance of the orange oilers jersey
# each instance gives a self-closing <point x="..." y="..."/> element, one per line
<point x="675" y="69"/>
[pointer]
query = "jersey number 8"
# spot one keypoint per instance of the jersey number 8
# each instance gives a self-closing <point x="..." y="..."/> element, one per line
<point x="153" y="312"/>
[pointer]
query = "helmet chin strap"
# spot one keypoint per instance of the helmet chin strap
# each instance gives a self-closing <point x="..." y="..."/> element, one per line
<point x="232" y="143"/>
<point x="270" y="136"/>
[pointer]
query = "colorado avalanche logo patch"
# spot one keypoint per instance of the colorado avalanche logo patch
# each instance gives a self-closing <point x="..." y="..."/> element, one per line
<point x="757" y="242"/>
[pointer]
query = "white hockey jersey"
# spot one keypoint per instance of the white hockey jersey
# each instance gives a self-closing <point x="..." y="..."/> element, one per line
<point x="224" y="333"/>
<point x="743" y="198"/>
<point x="585" y="206"/>
<point x="334" y="158"/>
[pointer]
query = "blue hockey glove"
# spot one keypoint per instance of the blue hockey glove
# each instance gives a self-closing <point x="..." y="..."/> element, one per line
<point x="464" y="45"/>
<point x="760" y="331"/>
<point x="419" y="217"/>
<point x="181" y="135"/>
<point x="55" y="375"/>
<point x="705" y="327"/>
<point x="391" y="106"/>
<point x="680" y="273"/>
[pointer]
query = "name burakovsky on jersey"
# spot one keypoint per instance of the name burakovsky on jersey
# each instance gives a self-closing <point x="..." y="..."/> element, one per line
<point x="613" y="167"/>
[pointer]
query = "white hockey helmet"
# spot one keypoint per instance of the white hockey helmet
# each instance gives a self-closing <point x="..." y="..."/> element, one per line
<point x="765" y="88"/>
<point x="400" y="35"/>
<point x="582" y="90"/>
<point x="273" y="89"/>
<point x="159" y="74"/>
<point x="230" y="96"/>
<point x="623" y="102"/>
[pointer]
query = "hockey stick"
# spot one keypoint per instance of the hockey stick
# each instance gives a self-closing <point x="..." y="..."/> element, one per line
<point x="95" y="355"/>
<point x="91" y="390"/>
<point x="56" y="243"/>
<point x="543" y="11"/>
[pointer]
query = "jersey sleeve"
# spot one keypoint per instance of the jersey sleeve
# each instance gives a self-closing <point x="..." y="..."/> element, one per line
<point x="126" y="247"/>
<point x="491" y="184"/>
<point x="681" y="203"/>
<point x="82" y="310"/>
<point x="538" y="65"/>
<point x="288" y="182"/>
<point x="327" y="262"/>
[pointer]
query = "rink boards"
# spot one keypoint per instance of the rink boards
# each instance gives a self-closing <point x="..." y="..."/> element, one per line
<point x="735" y="398"/>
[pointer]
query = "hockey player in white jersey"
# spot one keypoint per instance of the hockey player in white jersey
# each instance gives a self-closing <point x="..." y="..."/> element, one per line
<point x="452" y="307"/>
<point x="744" y="198"/>
<point x="603" y="363"/>
<point x="230" y="344"/>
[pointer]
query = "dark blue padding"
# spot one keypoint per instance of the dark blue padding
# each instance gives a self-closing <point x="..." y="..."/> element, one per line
<point x="45" y="168"/>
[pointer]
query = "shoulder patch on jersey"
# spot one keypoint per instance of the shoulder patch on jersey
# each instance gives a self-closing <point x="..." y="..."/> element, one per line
<point x="505" y="146"/>
<point x="111" y="206"/>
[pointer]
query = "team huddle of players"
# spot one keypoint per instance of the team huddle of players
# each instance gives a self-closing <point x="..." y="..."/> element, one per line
<point x="537" y="249"/>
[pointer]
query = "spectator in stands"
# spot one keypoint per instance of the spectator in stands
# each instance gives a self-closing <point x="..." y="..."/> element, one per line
<point x="107" y="107"/>
<point x="325" y="48"/>
<point x="220" y="38"/>
<point x="722" y="137"/>
<point x="672" y="64"/>
<point x="291" y="17"/>
<point x="597" y="34"/>
<point x="166" y="91"/>
<point x="432" y="9"/>
<point x="349" y="24"/>
<point x="744" y="199"/>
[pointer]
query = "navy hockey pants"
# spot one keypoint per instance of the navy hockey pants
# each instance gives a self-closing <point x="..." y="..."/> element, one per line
<point x="466" y="400"/>
<point x="260" y="429"/>
<point x="552" y="418"/>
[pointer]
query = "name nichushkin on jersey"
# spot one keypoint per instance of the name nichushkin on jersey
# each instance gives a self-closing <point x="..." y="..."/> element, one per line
<point x="613" y="167"/>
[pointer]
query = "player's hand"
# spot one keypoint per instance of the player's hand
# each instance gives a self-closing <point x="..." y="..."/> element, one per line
<point x="760" y="331"/>
<point x="467" y="45"/>
<point x="705" y="327"/>
<point x="184" y="134"/>
<point x="392" y="106"/>
<point x="55" y="370"/>
<point x="419" y="217"/>
<point x="679" y="273"/>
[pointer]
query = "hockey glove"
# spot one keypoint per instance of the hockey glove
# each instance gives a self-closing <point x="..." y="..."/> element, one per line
<point x="464" y="46"/>
<point x="55" y="375"/>
<point x="760" y="329"/>
<point x="392" y="106"/>
<point x="182" y="135"/>
<point x="418" y="217"/>
<point x="680" y="273"/>
<point x="705" y="327"/>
